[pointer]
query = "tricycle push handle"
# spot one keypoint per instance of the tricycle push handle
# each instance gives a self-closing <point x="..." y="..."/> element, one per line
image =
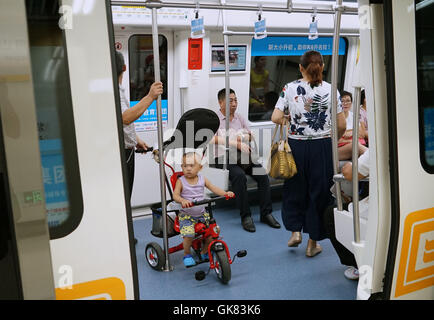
<point x="141" y="150"/>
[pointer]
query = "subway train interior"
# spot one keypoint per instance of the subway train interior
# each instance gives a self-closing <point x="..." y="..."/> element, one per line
<point x="69" y="229"/>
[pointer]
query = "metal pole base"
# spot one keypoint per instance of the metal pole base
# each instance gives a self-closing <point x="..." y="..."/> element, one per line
<point x="171" y="268"/>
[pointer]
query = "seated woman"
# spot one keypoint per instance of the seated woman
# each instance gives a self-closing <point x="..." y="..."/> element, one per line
<point x="345" y="144"/>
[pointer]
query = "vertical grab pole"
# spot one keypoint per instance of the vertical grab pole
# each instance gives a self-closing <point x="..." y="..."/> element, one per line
<point x="334" y="97"/>
<point x="289" y="6"/>
<point x="356" y="111"/>
<point x="160" y="137"/>
<point x="227" y="86"/>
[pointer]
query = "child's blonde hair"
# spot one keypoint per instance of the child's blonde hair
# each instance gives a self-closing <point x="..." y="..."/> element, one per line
<point x="189" y="155"/>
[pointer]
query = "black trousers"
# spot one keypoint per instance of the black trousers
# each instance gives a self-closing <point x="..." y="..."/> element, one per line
<point x="306" y="195"/>
<point x="130" y="161"/>
<point x="238" y="179"/>
<point x="130" y="158"/>
<point x="345" y="256"/>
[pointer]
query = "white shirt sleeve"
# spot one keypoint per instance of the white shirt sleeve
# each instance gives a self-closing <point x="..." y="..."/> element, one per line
<point x="364" y="164"/>
<point x="244" y="123"/>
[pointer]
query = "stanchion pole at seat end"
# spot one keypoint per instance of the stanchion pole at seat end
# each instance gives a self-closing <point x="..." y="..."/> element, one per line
<point x="156" y="52"/>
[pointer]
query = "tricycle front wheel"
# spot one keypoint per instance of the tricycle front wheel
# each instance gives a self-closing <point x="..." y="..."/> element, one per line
<point x="222" y="266"/>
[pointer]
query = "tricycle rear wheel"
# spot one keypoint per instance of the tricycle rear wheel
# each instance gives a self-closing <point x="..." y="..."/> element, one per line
<point x="155" y="256"/>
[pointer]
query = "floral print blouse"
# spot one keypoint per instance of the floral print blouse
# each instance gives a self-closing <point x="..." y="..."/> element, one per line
<point x="309" y="108"/>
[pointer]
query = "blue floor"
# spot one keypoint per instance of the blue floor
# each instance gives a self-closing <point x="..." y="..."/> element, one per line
<point x="270" y="271"/>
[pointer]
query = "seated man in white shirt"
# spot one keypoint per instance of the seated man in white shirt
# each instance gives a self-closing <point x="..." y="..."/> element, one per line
<point x="239" y="137"/>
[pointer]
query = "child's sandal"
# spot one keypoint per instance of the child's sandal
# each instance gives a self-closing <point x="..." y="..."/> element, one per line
<point x="189" y="261"/>
<point x="204" y="257"/>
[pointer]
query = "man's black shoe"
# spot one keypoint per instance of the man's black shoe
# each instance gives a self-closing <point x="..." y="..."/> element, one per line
<point x="248" y="224"/>
<point x="271" y="221"/>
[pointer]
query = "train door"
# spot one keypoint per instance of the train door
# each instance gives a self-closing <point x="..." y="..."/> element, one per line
<point x="409" y="55"/>
<point x="97" y="253"/>
<point x="62" y="174"/>
<point x="367" y="237"/>
<point x="25" y="261"/>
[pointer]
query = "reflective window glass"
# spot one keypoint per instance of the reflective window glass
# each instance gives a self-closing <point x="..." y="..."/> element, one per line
<point x="275" y="62"/>
<point x="55" y="119"/>
<point x="425" y="79"/>
<point x="141" y="70"/>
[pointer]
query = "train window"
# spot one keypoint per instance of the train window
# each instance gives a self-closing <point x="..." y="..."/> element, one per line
<point x="275" y="62"/>
<point x="52" y="93"/>
<point x="141" y="66"/>
<point x="425" y="77"/>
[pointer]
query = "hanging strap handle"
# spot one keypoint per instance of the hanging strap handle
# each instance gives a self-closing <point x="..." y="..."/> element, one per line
<point x="196" y="12"/>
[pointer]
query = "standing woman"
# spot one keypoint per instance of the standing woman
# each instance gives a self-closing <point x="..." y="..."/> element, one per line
<point x="307" y="194"/>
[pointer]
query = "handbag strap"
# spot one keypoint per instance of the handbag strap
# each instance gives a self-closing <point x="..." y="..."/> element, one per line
<point x="283" y="132"/>
<point x="274" y="134"/>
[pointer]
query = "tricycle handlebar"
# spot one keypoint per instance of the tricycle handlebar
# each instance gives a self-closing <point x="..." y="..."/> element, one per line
<point x="141" y="150"/>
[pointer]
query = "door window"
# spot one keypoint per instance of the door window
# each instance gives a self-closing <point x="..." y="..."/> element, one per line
<point x="141" y="67"/>
<point x="425" y="80"/>
<point x="53" y="101"/>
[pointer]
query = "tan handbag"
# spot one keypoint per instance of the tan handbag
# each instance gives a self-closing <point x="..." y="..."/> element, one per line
<point x="281" y="164"/>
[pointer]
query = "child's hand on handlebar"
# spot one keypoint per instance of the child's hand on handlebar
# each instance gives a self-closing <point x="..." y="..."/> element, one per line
<point x="229" y="195"/>
<point x="186" y="203"/>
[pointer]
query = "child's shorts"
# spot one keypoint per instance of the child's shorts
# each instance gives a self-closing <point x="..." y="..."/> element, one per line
<point x="187" y="223"/>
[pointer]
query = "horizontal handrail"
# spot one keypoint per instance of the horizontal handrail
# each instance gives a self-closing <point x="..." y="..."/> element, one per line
<point x="293" y="34"/>
<point x="160" y="4"/>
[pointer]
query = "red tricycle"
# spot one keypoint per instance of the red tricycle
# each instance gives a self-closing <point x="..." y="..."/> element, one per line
<point x="218" y="252"/>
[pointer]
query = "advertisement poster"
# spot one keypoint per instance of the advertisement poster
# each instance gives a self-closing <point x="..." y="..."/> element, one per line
<point x="148" y="120"/>
<point x="237" y="58"/>
<point x="53" y="173"/>
<point x="295" y="46"/>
